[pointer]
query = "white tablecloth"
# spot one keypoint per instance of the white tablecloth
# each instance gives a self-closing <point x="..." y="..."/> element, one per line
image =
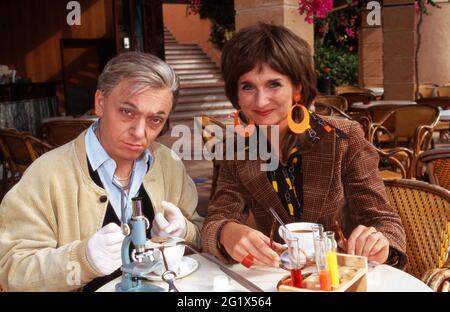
<point x="380" y="278"/>
<point x="445" y="115"/>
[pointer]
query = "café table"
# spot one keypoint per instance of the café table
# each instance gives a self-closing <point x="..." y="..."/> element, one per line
<point x="377" y="91"/>
<point x="380" y="278"/>
<point x="374" y="104"/>
<point x="445" y="115"/>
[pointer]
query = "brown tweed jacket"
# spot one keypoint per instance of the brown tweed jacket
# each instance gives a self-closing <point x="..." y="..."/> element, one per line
<point x="341" y="182"/>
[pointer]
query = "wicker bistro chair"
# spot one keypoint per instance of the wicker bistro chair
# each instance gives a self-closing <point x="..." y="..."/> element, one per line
<point x="435" y="164"/>
<point x="443" y="91"/>
<point x="329" y="110"/>
<point x="333" y="100"/>
<point x="426" y="90"/>
<point x="209" y="140"/>
<point x="353" y="97"/>
<point x="425" y="213"/>
<point x="349" y="88"/>
<point x="20" y="149"/>
<point x="413" y="129"/>
<point x="391" y="167"/>
<point x="58" y="132"/>
<point x="443" y="101"/>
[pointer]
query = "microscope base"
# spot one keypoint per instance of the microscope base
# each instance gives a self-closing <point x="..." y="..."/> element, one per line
<point x="140" y="288"/>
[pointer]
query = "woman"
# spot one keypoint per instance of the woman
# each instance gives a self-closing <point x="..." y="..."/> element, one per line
<point x="327" y="170"/>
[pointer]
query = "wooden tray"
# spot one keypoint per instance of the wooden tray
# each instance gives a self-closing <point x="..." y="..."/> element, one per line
<point x="353" y="273"/>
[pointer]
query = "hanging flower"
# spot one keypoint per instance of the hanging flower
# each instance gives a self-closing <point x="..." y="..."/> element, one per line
<point x="350" y="32"/>
<point x="314" y="8"/>
<point x="194" y="7"/>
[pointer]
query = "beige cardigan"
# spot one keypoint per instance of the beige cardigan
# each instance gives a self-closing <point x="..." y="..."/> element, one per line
<point x="47" y="218"/>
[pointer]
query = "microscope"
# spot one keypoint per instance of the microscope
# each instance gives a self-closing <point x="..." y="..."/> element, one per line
<point x="142" y="260"/>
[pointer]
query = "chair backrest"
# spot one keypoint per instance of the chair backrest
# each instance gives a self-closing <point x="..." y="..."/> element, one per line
<point x="436" y="163"/>
<point x="349" y="88"/>
<point x="425" y="213"/>
<point x="353" y="97"/>
<point x="209" y="136"/>
<point x="59" y="132"/>
<point x="335" y="100"/>
<point x="443" y="101"/>
<point x="426" y="90"/>
<point x="330" y="110"/>
<point x="391" y="167"/>
<point x="409" y="117"/>
<point x="443" y="91"/>
<point x="21" y="149"/>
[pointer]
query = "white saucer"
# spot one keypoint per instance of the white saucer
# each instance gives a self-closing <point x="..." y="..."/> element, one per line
<point x="188" y="266"/>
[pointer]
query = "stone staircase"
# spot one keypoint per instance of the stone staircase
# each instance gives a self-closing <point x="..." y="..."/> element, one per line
<point x="201" y="86"/>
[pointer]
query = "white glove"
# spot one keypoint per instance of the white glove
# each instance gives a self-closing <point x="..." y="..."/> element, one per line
<point x="103" y="249"/>
<point x="172" y="223"/>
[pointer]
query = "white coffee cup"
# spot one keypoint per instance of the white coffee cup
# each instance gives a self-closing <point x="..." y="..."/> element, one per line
<point x="173" y="250"/>
<point x="304" y="231"/>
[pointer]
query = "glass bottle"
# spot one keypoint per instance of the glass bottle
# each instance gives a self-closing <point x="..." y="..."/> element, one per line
<point x="321" y="263"/>
<point x="331" y="256"/>
<point x="297" y="260"/>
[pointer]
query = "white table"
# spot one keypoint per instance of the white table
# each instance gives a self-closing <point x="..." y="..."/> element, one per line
<point x="445" y="115"/>
<point x="371" y="104"/>
<point x="380" y="278"/>
<point x="377" y="91"/>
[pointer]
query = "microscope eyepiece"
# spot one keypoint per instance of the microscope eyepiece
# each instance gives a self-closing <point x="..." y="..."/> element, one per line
<point x="136" y="204"/>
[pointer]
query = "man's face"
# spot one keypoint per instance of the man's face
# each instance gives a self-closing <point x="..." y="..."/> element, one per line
<point x="129" y="124"/>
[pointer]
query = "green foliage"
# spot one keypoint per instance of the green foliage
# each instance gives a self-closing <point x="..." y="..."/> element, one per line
<point x="342" y="63"/>
<point x="221" y="13"/>
<point x="336" y="45"/>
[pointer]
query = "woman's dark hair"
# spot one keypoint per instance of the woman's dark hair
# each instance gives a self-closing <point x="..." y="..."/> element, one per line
<point x="275" y="46"/>
<point x="284" y="52"/>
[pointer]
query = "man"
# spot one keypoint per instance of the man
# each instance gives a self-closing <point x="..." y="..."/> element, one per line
<point x="59" y="226"/>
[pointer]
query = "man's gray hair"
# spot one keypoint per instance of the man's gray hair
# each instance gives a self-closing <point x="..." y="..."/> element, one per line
<point x="142" y="70"/>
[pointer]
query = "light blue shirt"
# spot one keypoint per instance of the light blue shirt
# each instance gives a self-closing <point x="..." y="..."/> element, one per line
<point x="105" y="166"/>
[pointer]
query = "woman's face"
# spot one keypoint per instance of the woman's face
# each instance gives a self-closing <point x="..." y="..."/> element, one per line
<point x="265" y="96"/>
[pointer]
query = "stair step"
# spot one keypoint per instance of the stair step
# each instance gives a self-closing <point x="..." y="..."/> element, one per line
<point x="201" y="107"/>
<point x="196" y="82"/>
<point x="190" y="61"/>
<point x="201" y="98"/>
<point x="199" y="76"/>
<point x="194" y="66"/>
<point x="184" y="52"/>
<point x="183" y="46"/>
<point x="192" y="115"/>
<point x="198" y="71"/>
<point x="173" y="57"/>
<point x="201" y="91"/>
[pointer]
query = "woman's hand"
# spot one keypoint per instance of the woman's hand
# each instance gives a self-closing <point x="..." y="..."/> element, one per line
<point x="240" y="240"/>
<point x="366" y="241"/>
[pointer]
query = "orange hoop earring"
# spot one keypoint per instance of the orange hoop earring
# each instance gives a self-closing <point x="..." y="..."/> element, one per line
<point x="239" y="129"/>
<point x="304" y="124"/>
